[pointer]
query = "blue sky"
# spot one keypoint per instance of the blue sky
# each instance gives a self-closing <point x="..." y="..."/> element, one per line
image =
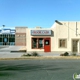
<point x="41" y="13"/>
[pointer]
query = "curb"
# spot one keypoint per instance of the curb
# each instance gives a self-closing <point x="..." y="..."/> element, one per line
<point x="41" y="58"/>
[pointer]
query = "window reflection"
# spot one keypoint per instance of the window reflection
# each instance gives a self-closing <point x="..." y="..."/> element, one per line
<point x="34" y="43"/>
<point x="37" y="43"/>
<point x="40" y="45"/>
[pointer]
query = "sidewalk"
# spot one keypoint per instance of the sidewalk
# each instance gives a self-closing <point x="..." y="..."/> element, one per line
<point x="19" y="54"/>
<point x="5" y="52"/>
<point x="49" y="54"/>
<point x="10" y="55"/>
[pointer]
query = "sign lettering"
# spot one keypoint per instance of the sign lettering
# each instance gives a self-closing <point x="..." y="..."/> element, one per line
<point x="40" y="32"/>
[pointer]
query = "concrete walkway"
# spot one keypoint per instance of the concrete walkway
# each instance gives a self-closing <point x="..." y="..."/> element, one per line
<point x="10" y="55"/>
<point x="19" y="54"/>
<point x="5" y="52"/>
<point x="49" y="54"/>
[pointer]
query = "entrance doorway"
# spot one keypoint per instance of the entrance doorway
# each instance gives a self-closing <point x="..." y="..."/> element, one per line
<point x="47" y="45"/>
<point x="75" y="45"/>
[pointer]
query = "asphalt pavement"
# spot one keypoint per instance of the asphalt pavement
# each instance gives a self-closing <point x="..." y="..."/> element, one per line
<point x="39" y="69"/>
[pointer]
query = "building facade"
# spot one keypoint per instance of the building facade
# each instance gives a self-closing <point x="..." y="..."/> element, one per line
<point x="61" y="37"/>
<point x="20" y="36"/>
<point x="67" y="36"/>
<point x="7" y="36"/>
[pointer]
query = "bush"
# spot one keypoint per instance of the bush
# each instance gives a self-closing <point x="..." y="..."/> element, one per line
<point x="35" y="54"/>
<point x="66" y="54"/>
<point x="27" y="54"/>
<point x="31" y="54"/>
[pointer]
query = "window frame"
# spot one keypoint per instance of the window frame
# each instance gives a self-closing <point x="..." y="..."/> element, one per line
<point x="32" y="44"/>
<point x="37" y="43"/>
<point x="65" y="43"/>
<point x="42" y="42"/>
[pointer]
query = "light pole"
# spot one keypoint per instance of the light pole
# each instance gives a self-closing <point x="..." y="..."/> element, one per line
<point x="2" y="34"/>
<point x="3" y="25"/>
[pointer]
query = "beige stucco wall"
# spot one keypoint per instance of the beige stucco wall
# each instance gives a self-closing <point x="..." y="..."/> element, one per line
<point x="20" y="36"/>
<point x="66" y="31"/>
<point x="20" y="29"/>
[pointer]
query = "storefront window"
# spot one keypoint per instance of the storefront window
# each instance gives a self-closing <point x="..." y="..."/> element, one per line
<point x="34" y="43"/>
<point x="1" y="43"/>
<point x="0" y="39"/>
<point x="37" y="43"/>
<point x="11" y="39"/>
<point x="0" y="36"/>
<point x="40" y="45"/>
<point x="12" y="43"/>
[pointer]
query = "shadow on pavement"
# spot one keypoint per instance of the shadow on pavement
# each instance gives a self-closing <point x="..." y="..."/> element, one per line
<point x="28" y="68"/>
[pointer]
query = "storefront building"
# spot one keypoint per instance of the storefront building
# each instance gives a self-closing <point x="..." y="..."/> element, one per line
<point x="20" y="36"/>
<point x="67" y="36"/>
<point x="39" y="39"/>
<point x="7" y="37"/>
<point x="61" y="37"/>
